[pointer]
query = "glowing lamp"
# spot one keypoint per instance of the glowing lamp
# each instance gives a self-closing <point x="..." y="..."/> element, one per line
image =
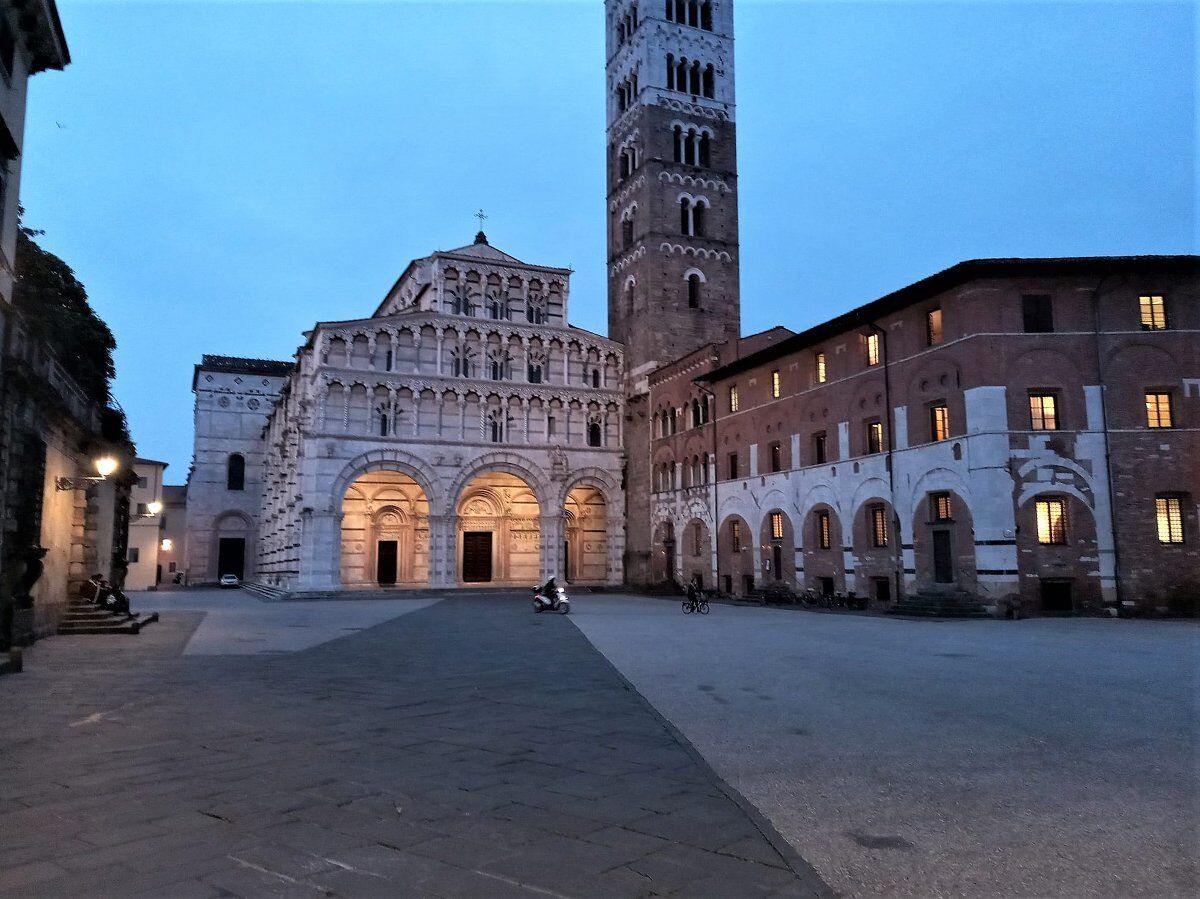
<point x="105" y="466"/>
<point x="154" y="508"/>
<point x="167" y="544"/>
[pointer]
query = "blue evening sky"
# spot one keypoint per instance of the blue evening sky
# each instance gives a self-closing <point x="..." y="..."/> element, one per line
<point x="221" y="175"/>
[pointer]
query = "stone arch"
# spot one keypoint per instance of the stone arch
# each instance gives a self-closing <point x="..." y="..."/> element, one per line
<point x="384" y="532"/>
<point x="958" y="541"/>
<point x="736" y="554"/>
<point x="383" y="460"/>
<point x="508" y="463"/>
<point x="1076" y="562"/>
<point x="499" y="530"/>
<point x="695" y="552"/>
<point x="232" y="525"/>
<point x="664" y="555"/>
<point x="777" y="546"/>
<point x="875" y="543"/>
<point x="824" y="567"/>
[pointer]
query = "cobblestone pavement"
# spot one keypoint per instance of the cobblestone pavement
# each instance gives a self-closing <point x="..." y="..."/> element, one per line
<point x="465" y="749"/>
<point x="1046" y="757"/>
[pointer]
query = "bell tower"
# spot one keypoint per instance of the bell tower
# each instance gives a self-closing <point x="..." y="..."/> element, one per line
<point x="672" y="178"/>
<point x="672" y="209"/>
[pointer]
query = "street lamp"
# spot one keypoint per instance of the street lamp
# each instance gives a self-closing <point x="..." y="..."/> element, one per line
<point x="105" y="465"/>
<point x="152" y="509"/>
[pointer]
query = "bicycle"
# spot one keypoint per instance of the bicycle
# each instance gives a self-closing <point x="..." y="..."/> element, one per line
<point x="699" y="604"/>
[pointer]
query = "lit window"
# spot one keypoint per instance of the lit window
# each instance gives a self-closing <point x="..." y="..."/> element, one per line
<point x="1168" y="511"/>
<point x="933" y="327"/>
<point x="1154" y="313"/>
<point x="872" y="347"/>
<point x="939" y="422"/>
<point x="820" y="368"/>
<point x="879" y="528"/>
<point x="775" y="384"/>
<point x="1158" y="410"/>
<point x="823" y="539"/>
<point x="874" y="437"/>
<point x="1043" y="412"/>
<point x="736" y="533"/>
<point x="941" y="507"/>
<point x="776" y="525"/>
<point x="1052" y="522"/>
<point x="733" y="398"/>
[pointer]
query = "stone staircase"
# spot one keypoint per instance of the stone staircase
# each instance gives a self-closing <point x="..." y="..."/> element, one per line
<point x="264" y="591"/>
<point x="939" y="605"/>
<point x="84" y="617"/>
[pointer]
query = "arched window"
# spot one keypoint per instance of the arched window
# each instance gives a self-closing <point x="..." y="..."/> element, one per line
<point x="694" y="80"/>
<point x="235" y="472"/>
<point x="496" y="425"/>
<point x="536" y="365"/>
<point x="690" y="146"/>
<point x="535" y="309"/>
<point x="698" y="215"/>
<point x="595" y="434"/>
<point x="462" y="362"/>
<point x="695" y="413"/>
<point x="383" y="422"/>
<point x="709" y="82"/>
<point x="595" y="377"/>
<point x="627" y="231"/>
<point x="685" y="216"/>
<point x="498" y="365"/>
<point x="693" y="13"/>
<point x="706" y="15"/>
<point x="678" y="145"/>
<point x="497" y="307"/>
<point x="705" y="150"/>
<point x="693" y="291"/>
<point x="670" y="71"/>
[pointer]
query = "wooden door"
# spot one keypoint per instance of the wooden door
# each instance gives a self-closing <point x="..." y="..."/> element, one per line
<point x="943" y="558"/>
<point x="477" y="557"/>
<point x="385" y="562"/>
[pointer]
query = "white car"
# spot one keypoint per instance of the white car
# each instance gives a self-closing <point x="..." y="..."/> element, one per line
<point x="229" y="580"/>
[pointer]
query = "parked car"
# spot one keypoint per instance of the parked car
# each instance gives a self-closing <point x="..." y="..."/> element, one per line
<point x="229" y="580"/>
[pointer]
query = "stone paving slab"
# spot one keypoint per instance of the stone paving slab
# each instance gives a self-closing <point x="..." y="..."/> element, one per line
<point x="468" y="748"/>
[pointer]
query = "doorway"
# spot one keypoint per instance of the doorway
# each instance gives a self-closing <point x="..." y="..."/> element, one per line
<point x="477" y="557"/>
<point x="231" y="556"/>
<point x="943" y="558"/>
<point x="777" y="560"/>
<point x="567" y="560"/>
<point x="1057" y="598"/>
<point x="386" y="552"/>
<point x="883" y="589"/>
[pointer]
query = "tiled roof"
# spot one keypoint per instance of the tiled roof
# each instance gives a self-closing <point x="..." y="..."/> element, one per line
<point x="254" y="366"/>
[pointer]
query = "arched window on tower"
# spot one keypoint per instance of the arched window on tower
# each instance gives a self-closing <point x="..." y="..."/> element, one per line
<point x="627" y="231"/>
<point x="678" y="144"/>
<point x="595" y="433"/>
<point x="685" y="216"/>
<point x="698" y="217"/>
<point x="709" y="82"/>
<point x="694" y="79"/>
<point x="596" y="378"/>
<point x="235" y="472"/>
<point x="537" y="366"/>
<point x="706" y="15"/>
<point x="690" y="144"/>
<point x="693" y="13"/>
<point x="670" y="71"/>
<point x="705" y="150"/>
<point x="693" y="291"/>
<point x="383" y="421"/>
<point x="496" y="425"/>
<point x="695" y="413"/>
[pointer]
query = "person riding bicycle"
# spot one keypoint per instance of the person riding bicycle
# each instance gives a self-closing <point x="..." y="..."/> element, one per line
<point x="692" y="592"/>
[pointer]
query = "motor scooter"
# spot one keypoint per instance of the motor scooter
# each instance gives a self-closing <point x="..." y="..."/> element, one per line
<point x="557" y="601"/>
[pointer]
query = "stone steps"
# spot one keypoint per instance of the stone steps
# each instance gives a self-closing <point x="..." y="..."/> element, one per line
<point x="82" y="617"/>
<point x="266" y="592"/>
<point x="939" y="605"/>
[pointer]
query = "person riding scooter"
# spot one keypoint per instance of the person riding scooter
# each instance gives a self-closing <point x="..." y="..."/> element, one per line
<point x="550" y="596"/>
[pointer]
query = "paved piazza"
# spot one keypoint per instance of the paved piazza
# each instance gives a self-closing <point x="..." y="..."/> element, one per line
<point x="458" y="745"/>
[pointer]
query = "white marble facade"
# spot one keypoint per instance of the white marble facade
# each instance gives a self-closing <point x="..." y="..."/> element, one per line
<point x="464" y="434"/>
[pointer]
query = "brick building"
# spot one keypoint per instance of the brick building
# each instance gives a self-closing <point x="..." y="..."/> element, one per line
<point x="1021" y="429"/>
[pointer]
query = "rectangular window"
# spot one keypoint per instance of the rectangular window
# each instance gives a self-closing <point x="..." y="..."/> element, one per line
<point x="141" y="509"/>
<point x="733" y="398"/>
<point x="933" y="327"/>
<point x="940" y="508"/>
<point x="1052" y="522"/>
<point x="1038" y="314"/>
<point x="134" y="553"/>
<point x="775" y="384"/>
<point x="171" y="567"/>
<point x="776" y="457"/>
<point x="874" y="437"/>
<point x="823" y="539"/>
<point x="877" y="519"/>
<point x="735" y="531"/>
<point x="1158" y="410"/>
<point x="1043" y="412"/>
<point x="871" y="343"/>
<point x="551" y="424"/>
<point x="1153" y="312"/>
<point x="820" y="368"/>
<point x="776" y="525"/>
<point x="733" y="466"/>
<point x="939" y="422"/>
<point x="819" y="449"/>
<point x="1168" y="511"/>
<point x="141" y="482"/>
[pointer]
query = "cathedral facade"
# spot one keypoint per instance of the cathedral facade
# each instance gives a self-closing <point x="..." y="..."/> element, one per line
<point x="463" y="434"/>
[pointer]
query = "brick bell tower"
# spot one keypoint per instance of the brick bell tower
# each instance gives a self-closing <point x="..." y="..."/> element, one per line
<point x="672" y="208"/>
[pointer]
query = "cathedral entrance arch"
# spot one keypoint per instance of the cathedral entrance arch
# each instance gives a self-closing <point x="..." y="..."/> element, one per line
<point x="499" y="531"/>
<point x="385" y="531"/>
<point x="585" y="544"/>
